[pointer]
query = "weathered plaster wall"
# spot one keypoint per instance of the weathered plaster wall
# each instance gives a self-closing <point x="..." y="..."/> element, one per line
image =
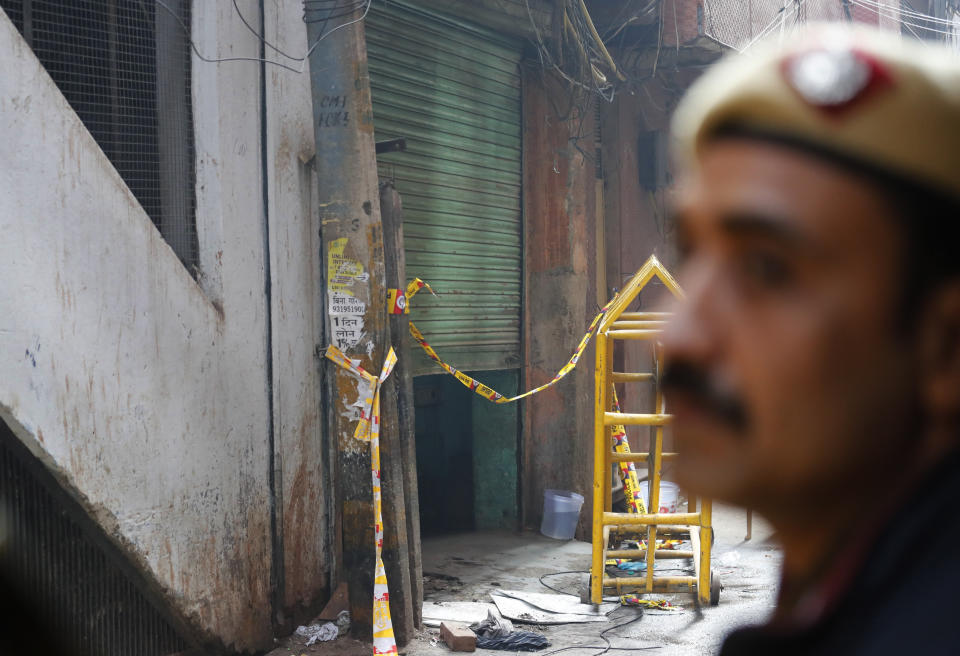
<point x="636" y="217"/>
<point x="637" y="226"/>
<point x="146" y="393"/>
<point x="297" y="316"/>
<point x="559" y="295"/>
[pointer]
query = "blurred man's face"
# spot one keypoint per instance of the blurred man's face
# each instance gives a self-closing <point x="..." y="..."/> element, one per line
<point x="786" y="373"/>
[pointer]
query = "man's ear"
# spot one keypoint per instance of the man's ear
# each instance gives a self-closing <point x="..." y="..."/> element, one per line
<point x="940" y="351"/>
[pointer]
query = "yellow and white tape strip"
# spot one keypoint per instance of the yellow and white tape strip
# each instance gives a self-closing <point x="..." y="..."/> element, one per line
<point x="478" y="387"/>
<point x="368" y="429"/>
<point x="628" y="472"/>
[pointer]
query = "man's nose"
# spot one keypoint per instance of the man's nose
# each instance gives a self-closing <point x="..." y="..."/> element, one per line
<point x="691" y="332"/>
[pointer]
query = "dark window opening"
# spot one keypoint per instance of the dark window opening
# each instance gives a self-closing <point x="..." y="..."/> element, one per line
<point x="124" y="67"/>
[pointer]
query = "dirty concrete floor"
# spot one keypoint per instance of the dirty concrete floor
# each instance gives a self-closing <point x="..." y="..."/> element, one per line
<point x="467" y="567"/>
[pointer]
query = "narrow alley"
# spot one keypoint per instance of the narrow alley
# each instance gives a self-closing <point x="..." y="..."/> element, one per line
<point x="343" y="326"/>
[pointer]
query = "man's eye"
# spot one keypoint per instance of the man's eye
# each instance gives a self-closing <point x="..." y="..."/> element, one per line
<point x="684" y="246"/>
<point x="765" y="269"/>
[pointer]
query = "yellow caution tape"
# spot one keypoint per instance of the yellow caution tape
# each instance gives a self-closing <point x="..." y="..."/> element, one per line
<point x="416" y="285"/>
<point x="478" y="387"/>
<point x="628" y="472"/>
<point x="368" y="430"/>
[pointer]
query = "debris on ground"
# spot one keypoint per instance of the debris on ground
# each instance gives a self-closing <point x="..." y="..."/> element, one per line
<point x="343" y="621"/>
<point x="516" y="641"/>
<point x="493" y="627"/>
<point x="318" y="632"/>
<point x="466" y="612"/>
<point x="435" y="583"/>
<point x="498" y="633"/>
<point x="540" y="608"/>
<point x="628" y="565"/>
<point x="655" y="604"/>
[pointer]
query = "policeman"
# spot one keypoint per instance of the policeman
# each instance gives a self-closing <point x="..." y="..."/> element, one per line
<point x="814" y="368"/>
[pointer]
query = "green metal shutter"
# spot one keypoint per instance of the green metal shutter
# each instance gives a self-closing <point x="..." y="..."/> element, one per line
<point x="452" y="90"/>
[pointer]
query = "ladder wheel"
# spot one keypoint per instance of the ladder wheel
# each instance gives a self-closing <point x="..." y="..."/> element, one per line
<point x="715" y="588"/>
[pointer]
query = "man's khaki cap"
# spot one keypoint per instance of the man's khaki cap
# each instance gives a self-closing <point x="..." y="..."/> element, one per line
<point x="865" y="95"/>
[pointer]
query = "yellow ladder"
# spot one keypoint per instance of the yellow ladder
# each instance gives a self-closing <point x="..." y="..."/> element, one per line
<point x="618" y="324"/>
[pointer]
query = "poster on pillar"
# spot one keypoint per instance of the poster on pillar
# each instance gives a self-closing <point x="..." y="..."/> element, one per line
<point x="346" y="310"/>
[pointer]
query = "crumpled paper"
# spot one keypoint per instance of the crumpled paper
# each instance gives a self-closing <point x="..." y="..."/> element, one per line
<point x="493" y="626"/>
<point x="343" y="621"/>
<point x="318" y="632"/>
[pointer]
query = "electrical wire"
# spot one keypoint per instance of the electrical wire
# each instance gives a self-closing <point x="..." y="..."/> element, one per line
<point x="217" y="60"/>
<point x="624" y="23"/>
<point x="608" y="646"/>
<point x="603" y="634"/>
<point x="878" y="10"/>
<point x="909" y="12"/>
<point x="605" y="649"/>
<point x="243" y="20"/>
<point x="346" y="10"/>
<point x="303" y="60"/>
<point x="340" y="27"/>
<point x="771" y="26"/>
<point x="900" y="20"/>
<point x="585" y="41"/>
<point x="766" y="30"/>
<point x="550" y="587"/>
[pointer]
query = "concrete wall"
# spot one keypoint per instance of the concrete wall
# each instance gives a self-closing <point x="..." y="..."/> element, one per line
<point x="560" y="294"/>
<point x="638" y="220"/>
<point x="146" y="393"/>
<point x="679" y="24"/>
<point x="302" y="456"/>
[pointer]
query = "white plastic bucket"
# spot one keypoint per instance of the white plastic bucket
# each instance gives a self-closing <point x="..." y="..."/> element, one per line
<point x="669" y="497"/>
<point x="561" y="512"/>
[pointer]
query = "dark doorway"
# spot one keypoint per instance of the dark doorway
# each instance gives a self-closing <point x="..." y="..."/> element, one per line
<point x="466" y="454"/>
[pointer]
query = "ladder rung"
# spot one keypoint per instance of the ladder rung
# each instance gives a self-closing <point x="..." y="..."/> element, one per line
<point x="633" y="334"/>
<point x="621" y="377"/>
<point x="635" y="554"/>
<point x="644" y="316"/>
<point x="642" y="325"/>
<point x="681" y="532"/>
<point x="638" y="457"/>
<point x="630" y="419"/>
<point x="665" y="519"/>
<point x="660" y="583"/>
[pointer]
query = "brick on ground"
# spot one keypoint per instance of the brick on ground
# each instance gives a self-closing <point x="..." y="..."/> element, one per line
<point x="458" y="637"/>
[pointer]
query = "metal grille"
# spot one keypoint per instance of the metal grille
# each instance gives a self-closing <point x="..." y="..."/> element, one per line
<point x="124" y="67"/>
<point x="739" y="24"/>
<point x="452" y="90"/>
<point x="84" y="595"/>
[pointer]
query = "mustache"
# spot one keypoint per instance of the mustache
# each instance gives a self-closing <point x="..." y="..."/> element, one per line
<point x="705" y="391"/>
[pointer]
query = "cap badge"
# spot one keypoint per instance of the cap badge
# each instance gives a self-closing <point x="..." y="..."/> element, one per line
<point x="833" y="79"/>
